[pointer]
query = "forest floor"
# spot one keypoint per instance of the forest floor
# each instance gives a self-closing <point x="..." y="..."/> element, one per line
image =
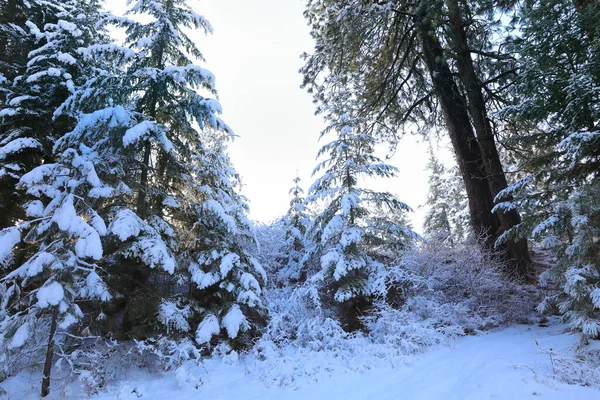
<point x="521" y="362"/>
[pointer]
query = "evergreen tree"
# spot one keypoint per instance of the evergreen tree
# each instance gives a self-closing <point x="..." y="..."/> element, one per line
<point x="184" y="205"/>
<point x="447" y="215"/>
<point x="345" y="232"/>
<point x="437" y="220"/>
<point x="54" y="67"/>
<point x="228" y="280"/>
<point x="295" y="252"/>
<point x="557" y="119"/>
<point x="57" y="270"/>
<point x="410" y="63"/>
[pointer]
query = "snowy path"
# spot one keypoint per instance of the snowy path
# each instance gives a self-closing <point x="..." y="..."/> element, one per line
<point x="501" y="365"/>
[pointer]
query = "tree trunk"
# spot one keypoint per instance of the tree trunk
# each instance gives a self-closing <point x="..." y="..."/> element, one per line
<point x="141" y="200"/>
<point x="466" y="148"/>
<point x="49" y="354"/>
<point x="516" y="250"/>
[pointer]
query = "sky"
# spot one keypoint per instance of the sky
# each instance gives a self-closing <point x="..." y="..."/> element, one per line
<point x="255" y="55"/>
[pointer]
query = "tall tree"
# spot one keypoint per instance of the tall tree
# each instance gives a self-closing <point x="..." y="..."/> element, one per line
<point x="447" y="213"/>
<point x="184" y="191"/>
<point x="29" y="124"/>
<point x="44" y="293"/>
<point x="295" y="252"/>
<point x="407" y="61"/>
<point x="51" y="253"/>
<point x="556" y="120"/>
<point x="346" y="234"/>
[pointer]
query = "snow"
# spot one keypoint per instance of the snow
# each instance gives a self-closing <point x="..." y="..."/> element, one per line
<point x="88" y="242"/>
<point x="34" y="208"/>
<point x="20" y="337"/>
<point x="145" y="129"/>
<point x="9" y="237"/>
<point x="203" y="279"/>
<point x="351" y="235"/>
<point x="154" y="253"/>
<point x="17" y="145"/>
<point x="207" y="329"/>
<point x="173" y="317"/>
<point x="227" y="263"/>
<point x="36" y="264"/>
<point x="233" y="321"/>
<point x="66" y="58"/>
<point x="95" y="288"/>
<point x="511" y="364"/>
<point x="50" y="295"/>
<point x="125" y="224"/>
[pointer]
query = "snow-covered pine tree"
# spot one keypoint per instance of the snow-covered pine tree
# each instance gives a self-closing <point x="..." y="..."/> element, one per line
<point x="50" y="256"/>
<point x="295" y="252"/>
<point x="344" y="231"/>
<point x="447" y="216"/>
<point x="227" y="280"/>
<point x="133" y="246"/>
<point x="182" y="184"/>
<point x="558" y="113"/>
<point x="55" y="269"/>
<point x="28" y="125"/>
<point x="13" y="43"/>
<point x="437" y="220"/>
<point x="153" y="86"/>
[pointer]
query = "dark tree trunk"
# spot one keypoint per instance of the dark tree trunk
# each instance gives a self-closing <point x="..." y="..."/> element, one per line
<point x="466" y="148"/>
<point x="141" y="200"/>
<point x="516" y="250"/>
<point x="49" y="354"/>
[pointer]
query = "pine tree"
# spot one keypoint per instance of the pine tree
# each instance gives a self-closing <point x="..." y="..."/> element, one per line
<point x="344" y="231"/>
<point x="54" y="67"/>
<point x="227" y="278"/>
<point x="184" y="195"/>
<point x="63" y="236"/>
<point x="415" y="65"/>
<point x="447" y="215"/>
<point x="437" y="220"/>
<point x="556" y="115"/>
<point x="295" y="252"/>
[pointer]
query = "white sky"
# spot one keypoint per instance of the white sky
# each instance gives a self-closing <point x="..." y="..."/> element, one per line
<point x="255" y="55"/>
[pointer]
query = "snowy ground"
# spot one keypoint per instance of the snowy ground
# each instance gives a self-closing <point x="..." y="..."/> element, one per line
<point x="507" y="364"/>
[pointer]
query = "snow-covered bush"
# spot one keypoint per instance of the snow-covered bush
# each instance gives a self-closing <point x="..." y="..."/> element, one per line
<point x="267" y="249"/>
<point x="464" y="275"/>
<point x="431" y="295"/>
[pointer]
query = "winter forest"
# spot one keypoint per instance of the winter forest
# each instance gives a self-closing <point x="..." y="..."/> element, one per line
<point x="130" y="267"/>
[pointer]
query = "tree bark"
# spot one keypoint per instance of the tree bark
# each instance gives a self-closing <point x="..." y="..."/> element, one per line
<point x="49" y="354"/>
<point x="466" y="148"/>
<point x="516" y="250"/>
<point x="141" y="200"/>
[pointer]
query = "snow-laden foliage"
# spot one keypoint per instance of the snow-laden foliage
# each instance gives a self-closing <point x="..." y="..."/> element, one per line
<point x="183" y="216"/>
<point x="268" y="246"/>
<point x="297" y="250"/>
<point x="63" y="239"/>
<point x="53" y="69"/>
<point x="227" y="279"/>
<point x="447" y="213"/>
<point x="345" y="233"/>
<point x="429" y="296"/>
<point x="557" y="119"/>
<point x="135" y="190"/>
